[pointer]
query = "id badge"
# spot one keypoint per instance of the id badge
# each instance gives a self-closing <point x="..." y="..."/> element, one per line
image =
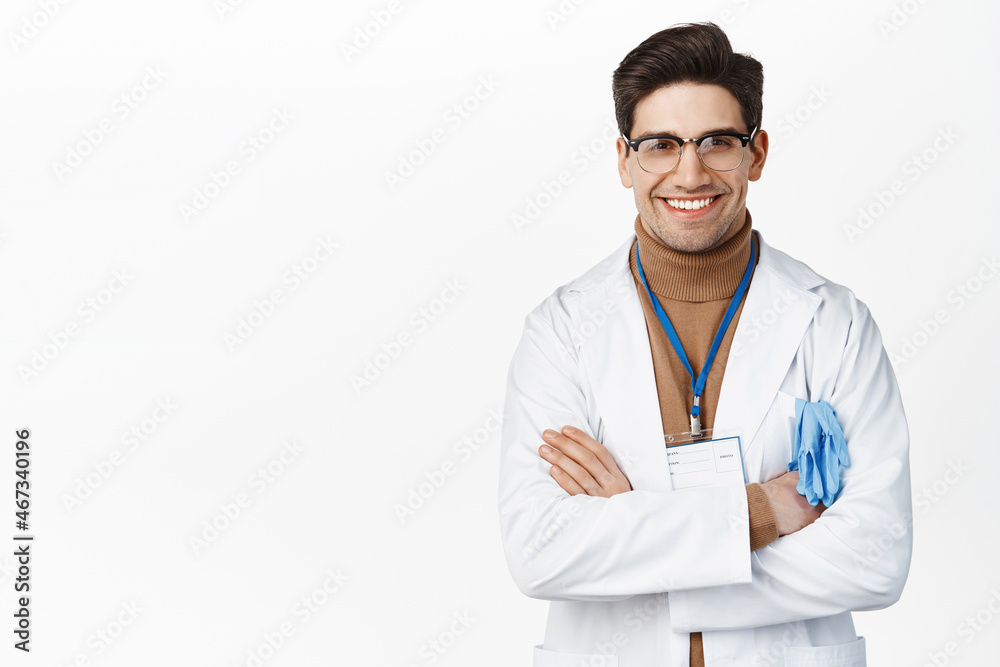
<point x="716" y="459"/>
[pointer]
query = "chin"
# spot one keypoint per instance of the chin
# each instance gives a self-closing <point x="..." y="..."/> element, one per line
<point x="685" y="241"/>
<point x="692" y="245"/>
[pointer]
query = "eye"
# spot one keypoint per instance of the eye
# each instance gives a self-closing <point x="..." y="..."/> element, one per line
<point x="658" y="145"/>
<point x="722" y="143"/>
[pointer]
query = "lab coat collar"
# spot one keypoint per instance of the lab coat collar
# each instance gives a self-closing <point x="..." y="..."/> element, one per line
<point x="778" y="308"/>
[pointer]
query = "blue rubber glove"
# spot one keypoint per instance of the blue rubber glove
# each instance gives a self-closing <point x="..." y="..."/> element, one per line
<point x="819" y="451"/>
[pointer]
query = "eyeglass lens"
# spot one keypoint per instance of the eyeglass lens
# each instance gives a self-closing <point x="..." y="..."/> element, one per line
<point x="661" y="155"/>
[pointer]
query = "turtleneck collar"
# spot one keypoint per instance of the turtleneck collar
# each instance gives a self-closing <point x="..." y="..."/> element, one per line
<point x="699" y="276"/>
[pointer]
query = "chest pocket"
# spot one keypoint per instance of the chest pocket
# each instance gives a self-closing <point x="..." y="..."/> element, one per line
<point x="851" y="654"/>
<point x="779" y="436"/>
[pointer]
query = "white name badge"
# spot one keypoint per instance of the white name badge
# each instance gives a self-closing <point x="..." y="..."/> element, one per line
<point x="716" y="462"/>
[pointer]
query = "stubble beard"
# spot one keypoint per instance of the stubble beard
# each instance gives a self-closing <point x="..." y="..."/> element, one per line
<point x="687" y="243"/>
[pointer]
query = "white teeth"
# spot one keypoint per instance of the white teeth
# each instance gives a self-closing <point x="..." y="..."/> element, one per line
<point x="688" y="204"/>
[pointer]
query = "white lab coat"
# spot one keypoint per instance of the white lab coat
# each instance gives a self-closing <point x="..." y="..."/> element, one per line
<point x="631" y="576"/>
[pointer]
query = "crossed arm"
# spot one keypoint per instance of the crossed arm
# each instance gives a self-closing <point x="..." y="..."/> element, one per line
<point x="580" y="464"/>
<point x="580" y="532"/>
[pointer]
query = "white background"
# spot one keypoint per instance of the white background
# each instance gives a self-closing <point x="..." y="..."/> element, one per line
<point x="888" y="91"/>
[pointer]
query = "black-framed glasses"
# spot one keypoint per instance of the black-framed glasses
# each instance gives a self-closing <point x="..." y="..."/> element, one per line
<point x="719" y="151"/>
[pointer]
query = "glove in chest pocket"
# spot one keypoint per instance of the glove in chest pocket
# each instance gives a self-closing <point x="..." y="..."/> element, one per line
<point x="779" y="435"/>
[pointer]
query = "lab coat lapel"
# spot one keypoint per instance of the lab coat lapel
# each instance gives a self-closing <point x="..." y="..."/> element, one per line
<point x="775" y="316"/>
<point x="620" y="365"/>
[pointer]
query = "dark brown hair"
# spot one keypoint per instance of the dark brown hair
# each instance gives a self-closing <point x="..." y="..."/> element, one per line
<point x="687" y="53"/>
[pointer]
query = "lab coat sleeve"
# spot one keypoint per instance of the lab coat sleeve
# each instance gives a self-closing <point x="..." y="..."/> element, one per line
<point x="562" y="547"/>
<point x="856" y="556"/>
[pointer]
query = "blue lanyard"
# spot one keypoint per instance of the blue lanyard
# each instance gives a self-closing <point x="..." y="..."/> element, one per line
<point x="698" y="385"/>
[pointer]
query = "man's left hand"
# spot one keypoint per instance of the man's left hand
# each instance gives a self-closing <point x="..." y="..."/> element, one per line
<point x="580" y="464"/>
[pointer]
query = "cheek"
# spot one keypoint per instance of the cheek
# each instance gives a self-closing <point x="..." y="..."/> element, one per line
<point x="642" y="202"/>
<point x="736" y="186"/>
<point x="646" y="185"/>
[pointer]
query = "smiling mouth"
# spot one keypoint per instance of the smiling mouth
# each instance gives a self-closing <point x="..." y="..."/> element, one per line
<point x="690" y="204"/>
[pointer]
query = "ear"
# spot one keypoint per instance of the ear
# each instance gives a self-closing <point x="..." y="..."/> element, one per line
<point x="759" y="155"/>
<point x="623" y="163"/>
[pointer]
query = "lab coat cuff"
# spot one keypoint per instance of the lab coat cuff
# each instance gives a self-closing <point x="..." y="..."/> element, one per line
<point x="680" y="612"/>
<point x="736" y="545"/>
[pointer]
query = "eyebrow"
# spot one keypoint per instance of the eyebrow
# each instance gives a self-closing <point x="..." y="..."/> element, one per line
<point x="674" y="134"/>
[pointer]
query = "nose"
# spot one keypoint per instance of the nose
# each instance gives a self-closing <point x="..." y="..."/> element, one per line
<point x="690" y="171"/>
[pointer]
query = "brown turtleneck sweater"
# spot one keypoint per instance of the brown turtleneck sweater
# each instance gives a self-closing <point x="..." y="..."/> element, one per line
<point x="694" y="290"/>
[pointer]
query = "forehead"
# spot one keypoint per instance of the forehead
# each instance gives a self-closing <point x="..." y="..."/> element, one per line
<point x="687" y="110"/>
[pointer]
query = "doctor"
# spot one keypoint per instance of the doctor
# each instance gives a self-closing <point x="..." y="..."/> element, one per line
<point x="696" y="330"/>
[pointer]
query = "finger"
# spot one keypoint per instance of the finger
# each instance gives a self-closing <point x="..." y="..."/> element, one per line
<point x="600" y="451"/>
<point x="583" y="457"/>
<point x="592" y="455"/>
<point x="567" y="483"/>
<point x="570" y="466"/>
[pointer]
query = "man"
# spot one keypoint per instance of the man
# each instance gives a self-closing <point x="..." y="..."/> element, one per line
<point x="608" y="383"/>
